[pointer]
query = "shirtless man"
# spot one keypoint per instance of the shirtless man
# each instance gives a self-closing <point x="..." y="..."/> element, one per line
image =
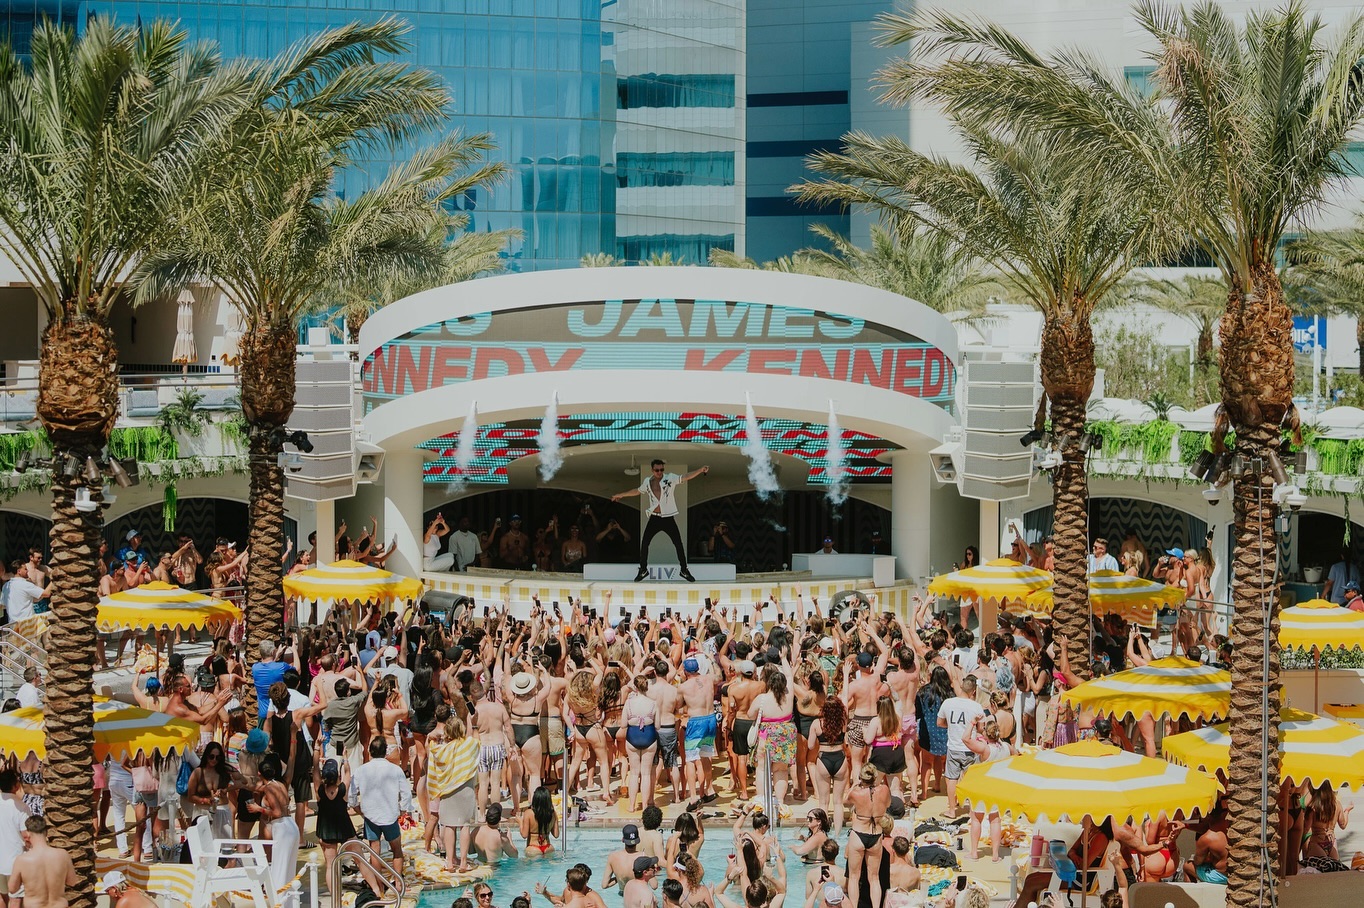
<point x="620" y="864"/>
<point x="903" y="679"/>
<point x="179" y="706"/>
<point x="121" y="894"/>
<point x="1209" y="864"/>
<point x="697" y="693"/>
<point x="495" y="735"/>
<point x="826" y="871"/>
<point x="861" y="693"/>
<point x="491" y="841"/>
<point x="515" y="546"/>
<point x="742" y="692"/>
<point x="43" y="872"/>
<point x="639" y="892"/>
<point x="556" y="693"/>
<point x="324" y="682"/>
<point x="651" y="837"/>
<point x="665" y="722"/>
<point x="576" y="894"/>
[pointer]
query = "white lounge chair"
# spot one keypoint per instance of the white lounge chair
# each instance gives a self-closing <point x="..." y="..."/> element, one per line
<point x="247" y="871"/>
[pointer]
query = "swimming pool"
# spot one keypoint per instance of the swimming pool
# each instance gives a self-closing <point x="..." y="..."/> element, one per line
<point x="591" y="847"/>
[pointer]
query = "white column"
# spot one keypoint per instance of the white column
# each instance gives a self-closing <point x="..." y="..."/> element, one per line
<point x="990" y="526"/>
<point x="403" y="502"/>
<point x="911" y="524"/>
<point x="324" y="524"/>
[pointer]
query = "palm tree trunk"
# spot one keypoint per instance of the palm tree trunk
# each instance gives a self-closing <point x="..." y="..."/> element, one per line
<point x="77" y="403"/>
<point x="1257" y="389"/>
<point x="1359" y="341"/>
<point x="267" y="371"/>
<point x="1067" y="358"/>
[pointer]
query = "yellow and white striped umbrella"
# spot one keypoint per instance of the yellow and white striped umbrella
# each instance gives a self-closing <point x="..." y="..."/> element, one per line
<point x="1087" y="779"/>
<point x="1134" y="598"/>
<point x="350" y="581"/>
<point x="120" y="730"/>
<point x="1173" y="686"/>
<point x="1003" y="580"/>
<point x="157" y="606"/>
<point x="1315" y="749"/>
<point x="1320" y="624"/>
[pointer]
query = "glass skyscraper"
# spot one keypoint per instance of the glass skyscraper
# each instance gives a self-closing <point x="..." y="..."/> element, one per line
<point x="621" y="121"/>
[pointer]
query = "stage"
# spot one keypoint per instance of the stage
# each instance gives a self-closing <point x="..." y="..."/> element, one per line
<point x="517" y="589"/>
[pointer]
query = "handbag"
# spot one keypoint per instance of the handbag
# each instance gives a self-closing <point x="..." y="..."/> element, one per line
<point x="753" y="731"/>
<point x="144" y="780"/>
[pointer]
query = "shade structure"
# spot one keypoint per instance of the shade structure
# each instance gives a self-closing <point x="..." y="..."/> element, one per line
<point x="157" y="606"/>
<point x="1112" y="592"/>
<point x="120" y="730"/>
<point x="350" y="581"/>
<point x="1322" y="625"/>
<point x="1173" y="686"/>
<point x="1087" y="779"/>
<point x="1315" y="749"/>
<point x="184" y="351"/>
<point x="1003" y="580"/>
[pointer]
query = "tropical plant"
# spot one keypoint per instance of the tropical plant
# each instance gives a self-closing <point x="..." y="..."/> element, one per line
<point x="99" y="138"/>
<point x="1327" y="275"/>
<point x="797" y="263"/>
<point x="1199" y="300"/>
<point x="183" y="414"/>
<point x="1245" y="136"/>
<point x="272" y="234"/>
<point x="1060" y="238"/>
<point x="911" y="260"/>
<point x="599" y="260"/>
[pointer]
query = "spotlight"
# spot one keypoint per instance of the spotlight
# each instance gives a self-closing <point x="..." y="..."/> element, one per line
<point x="299" y="439"/>
<point x="1220" y="468"/>
<point x="1276" y="468"/>
<point x="1032" y="438"/>
<point x="24" y="462"/>
<point x="1300" y="461"/>
<point x="1236" y="466"/>
<point x="92" y="472"/>
<point x="72" y="466"/>
<point x="1202" y="465"/>
<point x="1089" y="441"/>
<point x="120" y="475"/>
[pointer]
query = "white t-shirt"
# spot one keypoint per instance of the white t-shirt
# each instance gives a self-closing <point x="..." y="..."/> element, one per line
<point x="19" y="595"/>
<point x="1106" y="563"/>
<point x="29" y="696"/>
<point x="464" y="546"/>
<point x="12" y="817"/>
<point x="966" y="658"/>
<point x="404" y="677"/>
<point x="666" y="502"/>
<point x="959" y="713"/>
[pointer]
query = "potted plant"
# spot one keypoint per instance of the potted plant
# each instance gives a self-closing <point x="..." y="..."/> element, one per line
<point x="182" y="419"/>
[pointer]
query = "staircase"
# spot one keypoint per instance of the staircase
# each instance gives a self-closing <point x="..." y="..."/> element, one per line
<point x="17" y="653"/>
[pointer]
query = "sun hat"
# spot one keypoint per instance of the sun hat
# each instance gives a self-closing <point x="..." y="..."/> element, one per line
<point x="629" y="834"/>
<point x="522" y="683"/>
<point x="112" y="880"/>
<point x="833" y="893"/>
<point x="257" y="741"/>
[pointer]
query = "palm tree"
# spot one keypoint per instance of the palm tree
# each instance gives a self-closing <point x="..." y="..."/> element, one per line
<point x="1328" y="274"/>
<point x="99" y="138"/>
<point x="913" y="261"/>
<point x="1245" y="137"/>
<point x="1198" y="300"/>
<point x="1062" y="240"/>
<point x="273" y="235"/>
<point x="797" y="263"/>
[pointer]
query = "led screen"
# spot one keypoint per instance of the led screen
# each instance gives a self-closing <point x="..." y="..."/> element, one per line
<point x="499" y="444"/>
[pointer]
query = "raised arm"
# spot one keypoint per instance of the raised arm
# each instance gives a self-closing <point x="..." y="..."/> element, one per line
<point x="699" y="471"/>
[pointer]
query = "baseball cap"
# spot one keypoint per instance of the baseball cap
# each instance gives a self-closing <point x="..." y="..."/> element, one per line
<point x="1352" y="585"/>
<point x="390" y="653"/>
<point x="864" y="659"/>
<point x="516" y="517"/>
<point x="630" y="834"/>
<point x="827" y="644"/>
<point x="691" y="665"/>
<point x="828" y="539"/>
<point x="112" y="879"/>
<point x="833" y="893"/>
<point x="745" y="666"/>
<point x="331" y="770"/>
<point x="610" y="635"/>
<point x="153" y="684"/>
<point x="257" y="741"/>
<point x="131" y="535"/>
<point x="644" y="863"/>
<point x="1178" y="553"/>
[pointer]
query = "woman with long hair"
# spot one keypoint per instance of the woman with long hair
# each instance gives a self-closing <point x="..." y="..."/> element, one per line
<point x="969" y="559"/>
<point x="538" y="822"/>
<point x="932" y="739"/>
<point x="611" y="703"/>
<point x="830" y="768"/>
<point x="207" y="788"/>
<point x="774" y="711"/>
<point x="452" y="777"/>
<point x="688" y="836"/>
<point x="584" y="698"/>
<point x="690" y="873"/>
<point x="886" y="750"/>
<point x="641" y="742"/>
<point x="424" y="698"/>
<point x="809" y="842"/>
<point x="869" y="798"/>
<point x="810" y="697"/>
<point x="988" y="745"/>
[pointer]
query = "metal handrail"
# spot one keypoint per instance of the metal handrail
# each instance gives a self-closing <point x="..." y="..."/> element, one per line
<point x="360" y="850"/>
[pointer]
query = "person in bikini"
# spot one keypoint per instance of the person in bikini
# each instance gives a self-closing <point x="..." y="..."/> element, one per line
<point x="742" y="691"/>
<point x="525" y="697"/>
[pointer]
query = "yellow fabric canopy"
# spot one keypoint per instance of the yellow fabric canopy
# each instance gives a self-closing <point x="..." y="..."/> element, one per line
<point x="1314" y="749"/>
<point x="157" y="606"/>
<point x="350" y="581"/>
<point x="120" y="730"/>
<point x="1003" y="580"/>
<point x="1134" y="598"/>
<point x="1087" y="779"/>
<point x="1173" y="686"/>
<point x="1320" y="624"/>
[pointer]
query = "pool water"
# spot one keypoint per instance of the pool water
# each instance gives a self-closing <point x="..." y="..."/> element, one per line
<point x="591" y="847"/>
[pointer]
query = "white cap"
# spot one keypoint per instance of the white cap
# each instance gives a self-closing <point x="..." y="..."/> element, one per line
<point x="827" y="644"/>
<point x="112" y="880"/>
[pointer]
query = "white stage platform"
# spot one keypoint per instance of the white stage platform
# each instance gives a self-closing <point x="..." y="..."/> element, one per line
<point x="660" y="573"/>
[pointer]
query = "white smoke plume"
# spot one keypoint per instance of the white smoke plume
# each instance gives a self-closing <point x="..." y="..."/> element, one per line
<point x="464" y="450"/>
<point x="551" y="458"/>
<point x="835" y="457"/>
<point x="761" y="473"/>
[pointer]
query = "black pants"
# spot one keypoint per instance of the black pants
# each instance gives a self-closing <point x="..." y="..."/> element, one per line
<point x="655" y="526"/>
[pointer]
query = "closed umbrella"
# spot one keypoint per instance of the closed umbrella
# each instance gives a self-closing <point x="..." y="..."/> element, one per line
<point x="1320" y="625"/>
<point x="184" y="351"/>
<point x="120" y="731"/>
<point x="1133" y="598"/>
<point x="1173" y="686"/>
<point x="1002" y="580"/>
<point x="1315" y="749"/>
<point x="232" y="338"/>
